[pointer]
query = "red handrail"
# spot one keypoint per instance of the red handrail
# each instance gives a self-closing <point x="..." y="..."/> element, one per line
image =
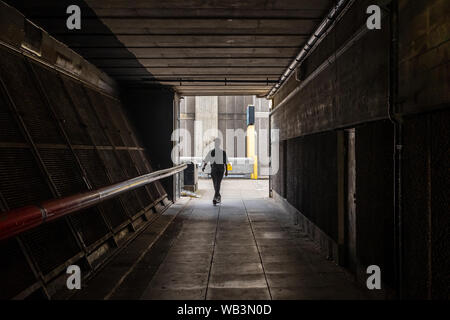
<point x="19" y="220"/>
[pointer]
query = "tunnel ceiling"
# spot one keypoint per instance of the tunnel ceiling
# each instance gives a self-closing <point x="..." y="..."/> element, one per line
<point x="191" y="45"/>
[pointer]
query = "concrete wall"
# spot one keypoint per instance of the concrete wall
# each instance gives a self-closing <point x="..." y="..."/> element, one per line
<point x="353" y="92"/>
<point x="229" y="114"/>
<point x="206" y="124"/>
<point x="153" y="113"/>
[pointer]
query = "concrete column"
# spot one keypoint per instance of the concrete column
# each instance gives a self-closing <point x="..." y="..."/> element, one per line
<point x="206" y="124"/>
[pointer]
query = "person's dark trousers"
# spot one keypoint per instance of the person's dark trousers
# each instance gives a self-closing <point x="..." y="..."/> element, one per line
<point x="217" y="175"/>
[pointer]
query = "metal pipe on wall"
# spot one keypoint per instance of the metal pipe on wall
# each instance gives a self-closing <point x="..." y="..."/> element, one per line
<point x="19" y="220"/>
<point x="398" y="145"/>
<point x="310" y="44"/>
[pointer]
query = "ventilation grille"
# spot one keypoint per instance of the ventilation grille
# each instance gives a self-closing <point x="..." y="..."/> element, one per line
<point x="90" y="225"/>
<point x="104" y="114"/>
<point x="23" y="181"/>
<point x="114" y="212"/>
<point x="374" y="195"/>
<point x="20" y="180"/>
<point x="131" y="171"/>
<point x="129" y="199"/>
<point x="63" y="107"/>
<point x="88" y="118"/>
<point x="440" y="179"/>
<point x="63" y="170"/>
<point x="312" y="179"/>
<point x="34" y="112"/>
<point x="112" y="209"/>
<point x="94" y="168"/>
<point x="120" y="121"/>
<point x="9" y="132"/>
<point x="147" y="165"/>
<point x="151" y="188"/>
<point x="51" y="245"/>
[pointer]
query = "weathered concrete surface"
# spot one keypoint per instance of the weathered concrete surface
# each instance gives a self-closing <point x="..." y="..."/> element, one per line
<point x="353" y="92"/>
<point x="249" y="39"/>
<point x="241" y="249"/>
<point x="206" y="124"/>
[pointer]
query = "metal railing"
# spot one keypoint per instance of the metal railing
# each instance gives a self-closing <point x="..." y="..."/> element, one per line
<point x="21" y="219"/>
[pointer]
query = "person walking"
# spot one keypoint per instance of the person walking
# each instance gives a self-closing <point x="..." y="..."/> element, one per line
<point x="217" y="157"/>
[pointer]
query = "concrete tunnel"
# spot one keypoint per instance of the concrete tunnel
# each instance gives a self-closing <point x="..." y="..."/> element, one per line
<point x="353" y="95"/>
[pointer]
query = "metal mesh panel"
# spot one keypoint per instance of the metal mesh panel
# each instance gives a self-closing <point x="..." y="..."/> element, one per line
<point x="114" y="212"/>
<point x="135" y="141"/>
<point x="20" y="180"/>
<point x="128" y="165"/>
<point x="112" y="165"/>
<point x="63" y="107"/>
<point x="15" y="273"/>
<point x="118" y="116"/>
<point x="9" y="131"/>
<point x="63" y="170"/>
<point x="106" y="119"/>
<point x="90" y="225"/>
<point x="23" y="91"/>
<point x="129" y="199"/>
<point x="112" y="209"/>
<point x="88" y="118"/>
<point x="93" y="166"/>
<point x="415" y="200"/>
<point x="440" y="217"/>
<point x="374" y="196"/>
<point x="51" y="244"/>
<point x="151" y="188"/>
<point x="312" y="179"/>
<point x="157" y="184"/>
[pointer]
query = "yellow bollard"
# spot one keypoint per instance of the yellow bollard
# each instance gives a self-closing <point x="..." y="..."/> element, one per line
<point x="251" y="150"/>
<point x="255" y="168"/>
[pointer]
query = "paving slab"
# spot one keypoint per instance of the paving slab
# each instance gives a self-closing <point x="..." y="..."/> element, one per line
<point x="238" y="250"/>
<point x="232" y="280"/>
<point x="238" y="294"/>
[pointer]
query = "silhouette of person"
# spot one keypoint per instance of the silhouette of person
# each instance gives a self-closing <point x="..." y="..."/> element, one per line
<point x="217" y="157"/>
